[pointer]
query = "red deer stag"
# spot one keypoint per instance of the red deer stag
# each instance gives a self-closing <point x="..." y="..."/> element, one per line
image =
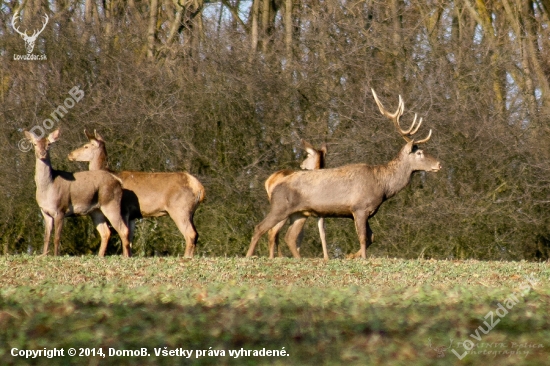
<point x="149" y="194"/>
<point x="61" y="194"/>
<point x="354" y="191"/>
<point x="315" y="160"/>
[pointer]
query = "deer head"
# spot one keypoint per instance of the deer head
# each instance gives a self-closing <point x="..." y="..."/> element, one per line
<point x="42" y="145"/>
<point x="315" y="158"/>
<point x="410" y="152"/>
<point x="89" y="151"/>
<point x="29" y="40"/>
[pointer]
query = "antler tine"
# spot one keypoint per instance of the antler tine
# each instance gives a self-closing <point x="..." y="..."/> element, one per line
<point x="417" y="126"/>
<point x="383" y="110"/>
<point x="425" y="139"/>
<point x="45" y="23"/>
<point x="406" y="134"/>
<point x="412" y="130"/>
<point x="399" y="113"/>
<point x="16" y="16"/>
<point x="401" y="106"/>
<point x="393" y="116"/>
<point x="36" y="33"/>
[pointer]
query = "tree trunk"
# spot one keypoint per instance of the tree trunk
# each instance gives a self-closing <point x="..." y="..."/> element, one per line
<point x="151" y="29"/>
<point x="254" y="27"/>
<point x="288" y="29"/>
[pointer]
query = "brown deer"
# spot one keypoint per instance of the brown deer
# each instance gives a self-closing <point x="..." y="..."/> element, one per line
<point x="60" y="194"/>
<point x="354" y="191"/>
<point x="149" y="194"/>
<point x="315" y="160"/>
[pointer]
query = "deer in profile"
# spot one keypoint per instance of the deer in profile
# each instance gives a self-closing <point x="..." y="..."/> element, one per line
<point x="354" y="191"/>
<point x="60" y="194"/>
<point x="315" y="160"/>
<point x="176" y="194"/>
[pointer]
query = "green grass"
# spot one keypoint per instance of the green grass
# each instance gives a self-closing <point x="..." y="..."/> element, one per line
<point x="378" y="311"/>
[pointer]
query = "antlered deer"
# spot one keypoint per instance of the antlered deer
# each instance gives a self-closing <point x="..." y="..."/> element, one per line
<point x="315" y="160"/>
<point x="354" y="191"/>
<point x="149" y="194"/>
<point x="61" y="194"/>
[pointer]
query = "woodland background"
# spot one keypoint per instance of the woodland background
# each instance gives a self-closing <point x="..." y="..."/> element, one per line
<point x="224" y="89"/>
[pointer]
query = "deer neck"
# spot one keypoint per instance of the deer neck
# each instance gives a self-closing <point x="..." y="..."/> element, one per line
<point x="99" y="162"/>
<point x="44" y="173"/>
<point x="397" y="175"/>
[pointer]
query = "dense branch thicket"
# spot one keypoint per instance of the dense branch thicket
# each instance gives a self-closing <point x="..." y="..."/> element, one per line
<point x="224" y="91"/>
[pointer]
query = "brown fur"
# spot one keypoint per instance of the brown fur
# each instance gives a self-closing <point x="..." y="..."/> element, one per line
<point x="354" y="191"/>
<point x="275" y="179"/>
<point x="61" y="194"/>
<point x="146" y="194"/>
<point x="315" y="159"/>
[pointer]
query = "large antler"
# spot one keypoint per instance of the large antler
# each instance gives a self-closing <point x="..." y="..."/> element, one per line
<point x="24" y="34"/>
<point x="35" y="34"/>
<point x="406" y="134"/>
<point x="15" y="16"/>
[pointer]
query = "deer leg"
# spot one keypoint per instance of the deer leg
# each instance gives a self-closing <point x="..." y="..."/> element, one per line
<point x="58" y="225"/>
<point x="48" y="225"/>
<point x="102" y="227"/>
<point x="370" y="239"/>
<point x="270" y="221"/>
<point x="321" y="225"/>
<point x="184" y="222"/>
<point x="131" y="230"/>
<point x="370" y="236"/>
<point x="112" y="213"/>
<point x="361" y="225"/>
<point x="300" y="238"/>
<point x="130" y="223"/>
<point x="273" y="236"/>
<point x="294" y="232"/>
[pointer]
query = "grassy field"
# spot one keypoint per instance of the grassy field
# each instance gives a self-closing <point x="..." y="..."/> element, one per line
<point x="285" y="312"/>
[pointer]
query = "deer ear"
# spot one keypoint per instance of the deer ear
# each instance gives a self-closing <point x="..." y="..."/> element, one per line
<point x="98" y="136"/>
<point x="89" y="135"/>
<point x="306" y="145"/>
<point x="29" y="135"/>
<point x="324" y="148"/>
<point x="54" y="136"/>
